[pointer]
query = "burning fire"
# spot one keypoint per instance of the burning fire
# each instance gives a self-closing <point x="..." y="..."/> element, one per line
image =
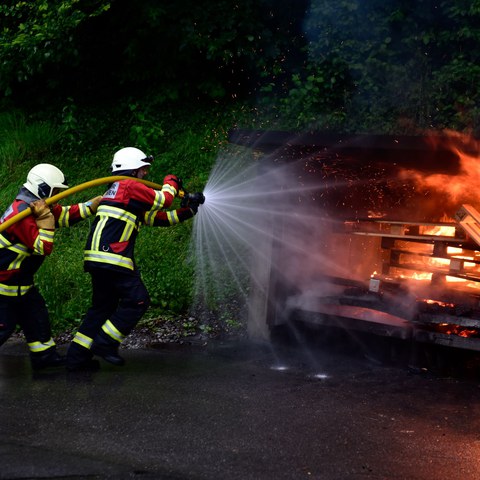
<point x="411" y="252"/>
<point x="429" y="301"/>
<point x="452" y="329"/>
<point x="422" y="263"/>
<point x="460" y="188"/>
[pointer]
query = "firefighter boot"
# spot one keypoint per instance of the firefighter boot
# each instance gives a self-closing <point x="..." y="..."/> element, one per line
<point x="46" y="359"/>
<point x="107" y="348"/>
<point x="80" y="359"/>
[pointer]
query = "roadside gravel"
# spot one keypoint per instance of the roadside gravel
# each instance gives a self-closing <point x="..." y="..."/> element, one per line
<point x="194" y="327"/>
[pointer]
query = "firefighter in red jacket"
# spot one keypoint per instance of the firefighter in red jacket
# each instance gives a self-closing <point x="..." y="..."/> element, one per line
<point x="23" y="247"/>
<point x="119" y="296"/>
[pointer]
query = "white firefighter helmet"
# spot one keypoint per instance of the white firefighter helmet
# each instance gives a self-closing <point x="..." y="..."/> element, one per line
<point x="130" y="158"/>
<point x="43" y="178"/>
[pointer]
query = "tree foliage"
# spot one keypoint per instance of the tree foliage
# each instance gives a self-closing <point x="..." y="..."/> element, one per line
<point x="36" y="35"/>
<point x="397" y="65"/>
<point x="101" y="48"/>
<point x="376" y="65"/>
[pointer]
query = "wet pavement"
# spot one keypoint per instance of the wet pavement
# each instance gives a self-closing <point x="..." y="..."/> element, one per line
<point x="236" y="410"/>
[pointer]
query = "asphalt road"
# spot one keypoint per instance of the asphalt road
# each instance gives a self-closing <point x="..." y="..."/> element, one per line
<point x="236" y="410"/>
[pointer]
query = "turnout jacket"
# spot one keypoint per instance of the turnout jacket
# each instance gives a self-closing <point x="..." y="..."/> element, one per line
<point x="124" y="207"/>
<point x="23" y="246"/>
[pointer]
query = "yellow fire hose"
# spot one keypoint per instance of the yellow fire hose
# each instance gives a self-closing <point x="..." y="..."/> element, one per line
<point x="79" y="188"/>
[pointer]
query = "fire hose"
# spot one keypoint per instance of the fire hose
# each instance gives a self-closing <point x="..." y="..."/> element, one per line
<point x="186" y="197"/>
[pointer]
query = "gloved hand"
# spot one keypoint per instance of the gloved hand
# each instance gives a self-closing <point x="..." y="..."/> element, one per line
<point x="43" y="215"/>
<point x="174" y="181"/>
<point x="193" y="200"/>
<point x="93" y="203"/>
<point x="193" y="207"/>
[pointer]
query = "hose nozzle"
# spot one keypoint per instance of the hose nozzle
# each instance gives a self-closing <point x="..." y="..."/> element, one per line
<point x="192" y="199"/>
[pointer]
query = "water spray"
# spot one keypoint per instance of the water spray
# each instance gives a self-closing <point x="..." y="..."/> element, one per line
<point x="189" y="198"/>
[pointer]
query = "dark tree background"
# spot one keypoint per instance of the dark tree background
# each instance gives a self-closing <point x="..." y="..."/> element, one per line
<point x="376" y="65"/>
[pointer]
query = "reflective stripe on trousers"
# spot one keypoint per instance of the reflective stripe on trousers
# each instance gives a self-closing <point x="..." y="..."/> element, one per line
<point x="113" y="332"/>
<point x="36" y="347"/>
<point x="82" y="340"/>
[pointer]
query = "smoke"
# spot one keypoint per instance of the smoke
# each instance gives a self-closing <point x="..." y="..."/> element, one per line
<point x="267" y="230"/>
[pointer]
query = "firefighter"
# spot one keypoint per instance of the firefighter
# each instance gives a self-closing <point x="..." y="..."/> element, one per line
<point x="23" y="247"/>
<point x="119" y="296"/>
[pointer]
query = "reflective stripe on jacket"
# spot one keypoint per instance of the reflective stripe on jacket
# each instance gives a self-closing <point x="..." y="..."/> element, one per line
<point x="23" y="245"/>
<point x="124" y="207"/>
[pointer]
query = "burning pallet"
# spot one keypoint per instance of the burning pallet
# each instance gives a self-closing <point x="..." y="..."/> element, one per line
<point x="428" y="289"/>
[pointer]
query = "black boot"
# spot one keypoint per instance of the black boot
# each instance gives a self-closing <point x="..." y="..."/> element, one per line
<point x="80" y="359"/>
<point x="107" y="348"/>
<point x="48" y="358"/>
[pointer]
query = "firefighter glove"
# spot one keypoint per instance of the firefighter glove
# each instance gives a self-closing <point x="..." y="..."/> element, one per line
<point x="193" y="208"/>
<point x="93" y="203"/>
<point x="174" y="181"/>
<point x="193" y="200"/>
<point x="43" y="215"/>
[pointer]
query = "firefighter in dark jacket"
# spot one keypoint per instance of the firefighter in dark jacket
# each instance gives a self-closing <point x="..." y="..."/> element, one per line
<point x="119" y="296"/>
<point x="23" y="247"/>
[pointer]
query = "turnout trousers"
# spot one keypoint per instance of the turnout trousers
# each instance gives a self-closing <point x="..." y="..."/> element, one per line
<point x="30" y="313"/>
<point x="119" y="301"/>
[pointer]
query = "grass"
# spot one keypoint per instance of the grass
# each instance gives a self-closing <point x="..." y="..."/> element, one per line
<point x="25" y="143"/>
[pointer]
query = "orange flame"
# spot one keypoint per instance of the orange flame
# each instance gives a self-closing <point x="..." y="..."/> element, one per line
<point x="460" y="188"/>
